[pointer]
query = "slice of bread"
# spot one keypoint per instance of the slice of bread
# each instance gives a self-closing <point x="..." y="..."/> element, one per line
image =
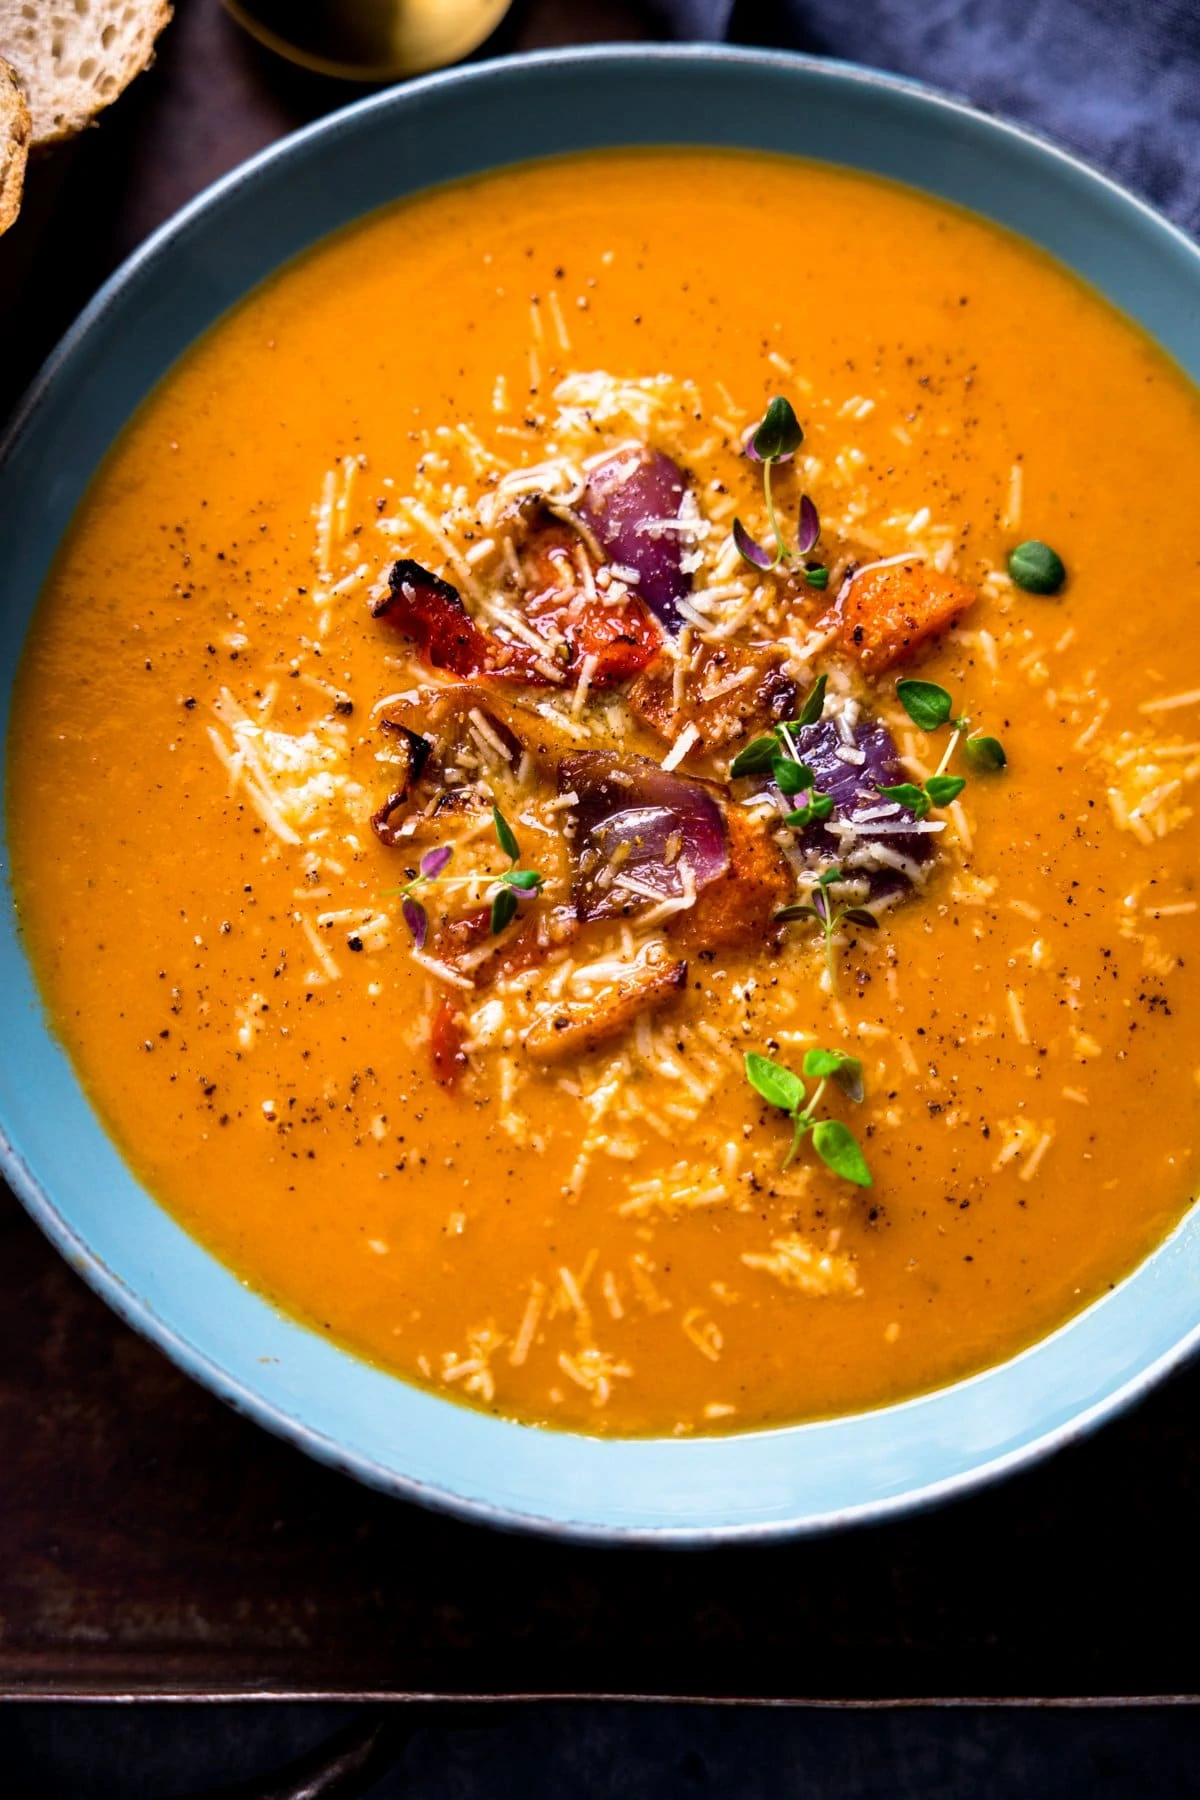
<point x="14" y="144"/>
<point x="73" y="57"/>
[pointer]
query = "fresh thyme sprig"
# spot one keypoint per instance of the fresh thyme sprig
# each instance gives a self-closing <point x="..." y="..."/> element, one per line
<point x="763" y="754"/>
<point x="828" y="915"/>
<point x="833" y="1142"/>
<point x="515" y="884"/>
<point x="776" y="439"/>
<point x="429" y="869"/>
<point x="930" y="707"/>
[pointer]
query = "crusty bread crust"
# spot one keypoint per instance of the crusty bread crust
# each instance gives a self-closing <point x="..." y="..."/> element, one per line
<point x="73" y="57"/>
<point x="14" y="144"/>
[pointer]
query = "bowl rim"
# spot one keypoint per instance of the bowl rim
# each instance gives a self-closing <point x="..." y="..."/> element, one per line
<point x="178" y="1344"/>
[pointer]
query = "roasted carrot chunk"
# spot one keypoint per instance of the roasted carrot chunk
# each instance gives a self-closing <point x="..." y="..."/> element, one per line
<point x="734" y="694"/>
<point x="889" y="613"/>
<point x="740" y="906"/>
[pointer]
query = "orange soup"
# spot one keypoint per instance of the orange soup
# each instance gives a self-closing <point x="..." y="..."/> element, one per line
<point x="602" y="792"/>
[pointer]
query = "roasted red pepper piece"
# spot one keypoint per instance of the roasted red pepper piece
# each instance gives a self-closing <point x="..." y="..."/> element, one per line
<point x="430" y="611"/>
<point x="446" y="1040"/>
<point x="623" y="639"/>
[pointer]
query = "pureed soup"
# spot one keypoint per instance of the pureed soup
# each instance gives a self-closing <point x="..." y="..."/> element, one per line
<point x="602" y="792"/>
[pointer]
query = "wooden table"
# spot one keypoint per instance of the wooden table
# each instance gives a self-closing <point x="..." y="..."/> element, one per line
<point x="152" y="1543"/>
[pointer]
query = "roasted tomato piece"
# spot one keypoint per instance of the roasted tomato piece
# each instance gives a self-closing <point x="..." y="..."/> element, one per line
<point x="739" y="907"/>
<point x="623" y="639"/>
<point x="733" y="694"/>
<point x="890" y="612"/>
<point x="430" y="611"/>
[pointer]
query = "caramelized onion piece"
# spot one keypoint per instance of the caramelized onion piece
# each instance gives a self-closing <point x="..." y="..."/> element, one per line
<point x="636" y="829"/>
<point x="578" y="1027"/>
<point x="626" y="495"/>
<point x="416" y="749"/>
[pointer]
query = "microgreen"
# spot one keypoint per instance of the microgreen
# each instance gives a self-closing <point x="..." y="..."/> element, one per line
<point x="505" y="836"/>
<point x="942" y="789"/>
<point x="814" y="704"/>
<point x="818" y="807"/>
<point x="906" y="793"/>
<point x="515" y="884"/>
<point x="430" y="868"/>
<point x="751" y="552"/>
<point x="1037" y="568"/>
<point x="847" y="1071"/>
<point x="791" y="777"/>
<point x="985" y="753"/>
<point x="833" y="1142"/>
<point x="504" y="909"/>
<point x="926" y="704"/>
<point x="930" y="707"/>
<point x="778" y="434"/>
<point x="776" y="439"/>
<point x="417" y="920"/>
<point x="762" y="754"/>
<point x="810" y="526"/>
<point x="820" y="906"/>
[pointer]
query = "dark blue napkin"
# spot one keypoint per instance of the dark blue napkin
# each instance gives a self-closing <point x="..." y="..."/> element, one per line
<point x="1117" y="80"/>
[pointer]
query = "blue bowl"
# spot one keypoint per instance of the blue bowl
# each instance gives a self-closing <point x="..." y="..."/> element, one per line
<point x="55" y="1153"/>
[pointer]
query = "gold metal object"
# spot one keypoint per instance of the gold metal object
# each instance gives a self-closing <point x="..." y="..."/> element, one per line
<point x="370" y="40"/>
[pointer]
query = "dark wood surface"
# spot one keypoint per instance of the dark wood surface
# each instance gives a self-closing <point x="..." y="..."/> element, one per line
<point x="153" y="1543"/>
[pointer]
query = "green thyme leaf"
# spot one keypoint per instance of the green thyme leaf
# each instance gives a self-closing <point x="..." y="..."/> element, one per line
<point x="914" y="799"/>
<point x="850" y="1079"/>
<point x="1037" y="568"/>
<point x="985" y="753"/>
<point x="779" y="432"/>
<point x="847" y="1071"/>
<point x="942" y="789"/>
<point x="858" y="915"/>
<point x="801" y="1123"/>
<point x="528" y="880"/>
<point x="817" y="578"/>
<point x="829" y="877"/>
<point x="838" y="1149"/>
<point x="791" y="777"/>
<point x="819" y="807"/>
<point x="504" y="834"/>
<point x="814" y="705"/>
<point x="773" y="1082"/>
<point x="926" y="704"/>
<point x="504" y="909"/>
<point x="797" y="912"/>
<point x="756" y="758"/>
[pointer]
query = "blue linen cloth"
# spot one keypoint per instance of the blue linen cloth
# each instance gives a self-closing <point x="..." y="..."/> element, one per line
<point x="1118" y="82"/>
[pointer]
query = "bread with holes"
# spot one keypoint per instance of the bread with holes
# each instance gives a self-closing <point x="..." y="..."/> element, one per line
<point x="14" y="144"/>
<point x="73" y="57"/>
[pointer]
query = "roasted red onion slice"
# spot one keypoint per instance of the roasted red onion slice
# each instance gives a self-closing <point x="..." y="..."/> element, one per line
<point x="854" y="787"/>
<point x="629" y="506"/>
<point x="637" y="830"/>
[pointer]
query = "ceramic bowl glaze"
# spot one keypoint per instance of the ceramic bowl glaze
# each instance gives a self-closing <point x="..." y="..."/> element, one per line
<point x="763" y="1484"/>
